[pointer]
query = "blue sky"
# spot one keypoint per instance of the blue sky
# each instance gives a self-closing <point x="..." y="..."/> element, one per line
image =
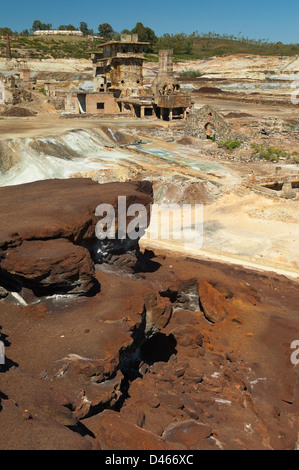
<point x="275" y="19"/>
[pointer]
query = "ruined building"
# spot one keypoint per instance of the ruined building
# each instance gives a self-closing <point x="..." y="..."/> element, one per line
<point x="209" y="123"/>
<point x="118" y="84"/>
<point x="169" y="99"/>
<point x="16" y="87"/>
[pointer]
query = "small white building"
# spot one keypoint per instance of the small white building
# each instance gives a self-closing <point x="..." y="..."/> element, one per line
<point x="52" y="32"/>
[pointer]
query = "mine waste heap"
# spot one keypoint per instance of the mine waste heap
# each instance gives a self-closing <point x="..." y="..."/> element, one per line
<point x="118" y="83"/>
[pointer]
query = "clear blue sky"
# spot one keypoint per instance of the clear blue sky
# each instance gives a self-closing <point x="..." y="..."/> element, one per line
<point x="274" y="19"/>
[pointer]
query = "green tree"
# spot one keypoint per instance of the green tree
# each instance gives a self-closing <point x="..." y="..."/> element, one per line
<point x="4" y="31"/>
<point x="180" y="43"/>
<point x="84" y="28"/>
<point x="46" y="26"/>
<point x="64" y="27"/>
<point x="37" y="25"/>
<point x="145" y="34"/>
<point x="106" y="30"/>
<point x="71" y="27"/>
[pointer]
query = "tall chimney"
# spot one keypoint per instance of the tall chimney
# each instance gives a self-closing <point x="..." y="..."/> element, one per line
<point x="166" y="62"/>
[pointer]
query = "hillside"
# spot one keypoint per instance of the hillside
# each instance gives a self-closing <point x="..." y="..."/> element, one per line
<point x="47" y="47"/>
<point x="197" y="47"/>
<point x="211" y="47"/>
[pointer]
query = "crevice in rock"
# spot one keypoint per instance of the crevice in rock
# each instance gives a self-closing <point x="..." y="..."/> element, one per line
<point x="145" y="349"/>
<point x="52" y="290"/>
<point x="8" y="365"/>
<point x="2" y="397"/>
<point x="79" y="428"/>
<point x="159" y="348"/>
<point x="145" y="263"/>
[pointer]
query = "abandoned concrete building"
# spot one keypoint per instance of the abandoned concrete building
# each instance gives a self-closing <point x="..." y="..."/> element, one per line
<point x="118" y="84"/>
<point x="15" y="87"/>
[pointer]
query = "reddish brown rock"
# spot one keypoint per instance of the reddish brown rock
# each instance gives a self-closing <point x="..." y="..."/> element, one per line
<point x="61" y="208"/>
<point x="215" y="306"/>
<point x="186" y="335"/>
<point x="70" y="359"/>
<point x="115" y="433"/>
<point x="188" y="432"/>
<point x="158" y="311"/>
<point x="51" y="264"/>
<point x="42" y="224"/>
<point x="39" y="432"/>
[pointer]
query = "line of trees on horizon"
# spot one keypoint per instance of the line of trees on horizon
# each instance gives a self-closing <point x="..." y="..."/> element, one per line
<point x="181" y="43"/>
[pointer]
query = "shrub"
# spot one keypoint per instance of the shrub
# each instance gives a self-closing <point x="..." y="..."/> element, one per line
<point x="229" y="144"/>
<point x="191" y="74"/>
<point x="272" y="154"/>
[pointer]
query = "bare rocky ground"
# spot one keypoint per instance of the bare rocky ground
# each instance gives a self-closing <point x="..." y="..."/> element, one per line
<point x="193" y="355"/>
<point x="156" y="345"/>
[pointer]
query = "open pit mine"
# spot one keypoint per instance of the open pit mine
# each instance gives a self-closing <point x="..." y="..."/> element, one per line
<point x="149" y="343"/>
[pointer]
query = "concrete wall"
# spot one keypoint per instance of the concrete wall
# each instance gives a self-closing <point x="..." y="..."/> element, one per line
<point x="129" y="37"/>
<point x="166" y="62"/>
<point x="25" y="77"/>
<point x="128" y="74"/>
<point x="71" y="103"/>
<point x="108" y="102"/>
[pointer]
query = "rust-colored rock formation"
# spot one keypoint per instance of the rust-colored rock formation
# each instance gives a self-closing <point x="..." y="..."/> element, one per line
<point x="47" y="232"/>
<point x="184" y="355"/>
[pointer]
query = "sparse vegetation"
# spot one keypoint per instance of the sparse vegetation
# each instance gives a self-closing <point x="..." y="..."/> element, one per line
<point x="271" y="153"/>
<point x="229" y="144"/>
<point x="57" y="47"/>
<point x="191" y="74"/>
<point x="295" y="157"/>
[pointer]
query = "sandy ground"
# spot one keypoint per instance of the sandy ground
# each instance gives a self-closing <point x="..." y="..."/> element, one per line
<point x="236" y="231"/>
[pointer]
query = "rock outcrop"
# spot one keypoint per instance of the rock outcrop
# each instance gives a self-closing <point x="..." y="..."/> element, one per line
<point x="214" y="304"/>
<point x="47" y="232"/>
<point x="176" y="357"/>
<point x="114" y="433"/>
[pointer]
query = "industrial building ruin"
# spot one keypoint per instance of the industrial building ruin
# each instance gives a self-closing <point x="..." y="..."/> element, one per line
<point x="16" y="87"/>
<point x="118" y="84"/>
<point x="208" y="123"/>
